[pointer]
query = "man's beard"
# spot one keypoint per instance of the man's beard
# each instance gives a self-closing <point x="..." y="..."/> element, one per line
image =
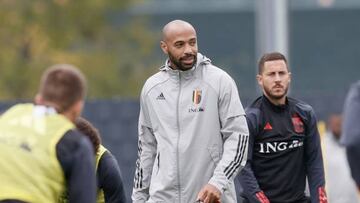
<point x="178" y="63"/>
<point x="273" y="96"/>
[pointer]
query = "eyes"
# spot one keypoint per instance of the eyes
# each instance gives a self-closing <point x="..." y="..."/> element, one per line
<point x="273" y="74"/>
<point x="180" y="44"/>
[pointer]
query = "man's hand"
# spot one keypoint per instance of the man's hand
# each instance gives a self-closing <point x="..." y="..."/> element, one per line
<point x="209" y="194"/>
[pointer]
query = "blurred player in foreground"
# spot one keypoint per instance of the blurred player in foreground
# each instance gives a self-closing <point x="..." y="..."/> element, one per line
<point x="41" y="153"/>
<point x="110" y="185"/>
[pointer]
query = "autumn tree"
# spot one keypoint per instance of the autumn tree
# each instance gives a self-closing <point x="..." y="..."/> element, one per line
<point x="112" y="48"/>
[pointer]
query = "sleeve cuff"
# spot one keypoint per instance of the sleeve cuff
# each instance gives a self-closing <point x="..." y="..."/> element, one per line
<point x="220" y="187"/>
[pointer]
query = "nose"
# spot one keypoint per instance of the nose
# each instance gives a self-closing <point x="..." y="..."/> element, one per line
<point x="277" y="77"/>
<point x="188" y="49"/>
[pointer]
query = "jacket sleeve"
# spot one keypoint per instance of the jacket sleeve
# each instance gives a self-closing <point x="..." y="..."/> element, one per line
<point x="234" y="132"/>
<point x="314" y="160"/>
<point x="75" y="154"/>
<point x="109" y="179"/>
<point x="146" y="155"/>
<point x="246" y="177"/>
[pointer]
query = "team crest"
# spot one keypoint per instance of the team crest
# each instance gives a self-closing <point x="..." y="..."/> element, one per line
<point x="196" y="98"/>
<point x="297" y="123"/>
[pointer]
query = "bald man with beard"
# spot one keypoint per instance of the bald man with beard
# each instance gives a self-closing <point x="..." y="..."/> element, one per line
<point x="193" y="134"/>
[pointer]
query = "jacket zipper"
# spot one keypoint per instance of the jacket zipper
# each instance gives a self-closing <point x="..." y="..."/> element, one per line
<point x="178" y="139"/>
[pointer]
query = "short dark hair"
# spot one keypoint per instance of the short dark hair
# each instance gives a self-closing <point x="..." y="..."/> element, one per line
<point x="86" y="128"/>
<point x="62" y="85"/>
<point x="272" y="56"/>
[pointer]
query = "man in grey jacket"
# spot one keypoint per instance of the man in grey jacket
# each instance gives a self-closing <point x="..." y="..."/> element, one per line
<point x="193" y="134"/>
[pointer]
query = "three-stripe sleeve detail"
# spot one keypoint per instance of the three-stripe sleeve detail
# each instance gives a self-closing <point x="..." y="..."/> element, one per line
<point x="138" y="179"/>
<point x="240" y="151"/>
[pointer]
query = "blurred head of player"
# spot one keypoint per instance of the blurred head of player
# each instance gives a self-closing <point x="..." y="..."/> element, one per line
<point x="334" y="124"/>
<point x="63" y="87"/>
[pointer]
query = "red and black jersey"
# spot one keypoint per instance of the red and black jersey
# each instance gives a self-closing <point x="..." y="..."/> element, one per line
<point x="284" y="149"/>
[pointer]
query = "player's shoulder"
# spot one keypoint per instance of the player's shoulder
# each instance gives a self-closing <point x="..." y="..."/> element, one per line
<point x="208" y="71"/>
<point x="253" y="111"/>
<point x="355" y="89"/>
<point x="356" y="85"/>
<point x="301" y="105"/>
<point x="255" y="106"/>
<point x="155" y="80"/>
<point x="214" y="73"/>
<point x="73" y="140"/>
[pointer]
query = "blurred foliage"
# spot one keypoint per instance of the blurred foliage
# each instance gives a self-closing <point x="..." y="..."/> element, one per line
<point x="112" y="49"/>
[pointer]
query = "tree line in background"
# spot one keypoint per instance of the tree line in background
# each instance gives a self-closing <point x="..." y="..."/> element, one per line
<point x="113" y="50"/>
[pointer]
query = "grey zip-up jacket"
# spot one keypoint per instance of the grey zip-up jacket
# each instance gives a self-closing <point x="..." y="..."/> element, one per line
<point x="192" y="131"/>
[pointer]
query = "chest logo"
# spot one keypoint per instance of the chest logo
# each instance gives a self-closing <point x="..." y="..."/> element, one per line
<point x="160" y="97"/>
<point x="273" y="147"/>
<point x="297" y="123"/>
<point x="196" y="97"/>
<point x="268" y="126"/>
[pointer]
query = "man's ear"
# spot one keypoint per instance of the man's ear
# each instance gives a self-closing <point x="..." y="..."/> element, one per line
<point x="259" y="80"/>
<point x="74" y="111"/>
<point x="289" y="77"/>
<point x="164" y="47"/>
<point x="78" y="107"/>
